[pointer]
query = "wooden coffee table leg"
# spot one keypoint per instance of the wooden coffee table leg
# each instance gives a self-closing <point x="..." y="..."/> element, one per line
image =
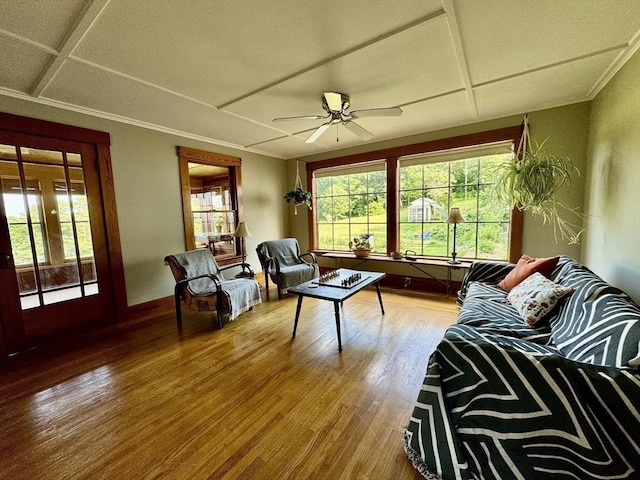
<point x="336" y="308"/>
<point x="295" y="323"/>
<point x="379" y="298"/>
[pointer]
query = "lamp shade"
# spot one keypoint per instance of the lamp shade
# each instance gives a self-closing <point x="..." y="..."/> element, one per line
<point x="455" y="216"/>
<point x="242" y="231"/>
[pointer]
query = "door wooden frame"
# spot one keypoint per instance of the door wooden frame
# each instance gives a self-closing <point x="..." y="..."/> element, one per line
<point x="101" y="142"/>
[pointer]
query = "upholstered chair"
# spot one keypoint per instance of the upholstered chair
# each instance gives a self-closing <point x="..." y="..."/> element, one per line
<point x="283" y="263"/>
<point x="200" y="283"/>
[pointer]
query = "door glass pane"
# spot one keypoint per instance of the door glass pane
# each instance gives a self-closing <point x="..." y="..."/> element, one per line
<point x="56" y="226"/>
<point x="22" y="244"/>
<point x="75" y="261"/>
<point x="36" y="155"/>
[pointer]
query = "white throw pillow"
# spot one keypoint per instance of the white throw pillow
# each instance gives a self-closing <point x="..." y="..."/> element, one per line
<point x="536" y="296"/>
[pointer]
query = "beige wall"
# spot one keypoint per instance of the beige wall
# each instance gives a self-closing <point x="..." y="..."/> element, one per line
<point x="147" y="187"/>
<point x="567" y="130"/>
<point x="150" y="214"/>
<point x="612" y="245"/>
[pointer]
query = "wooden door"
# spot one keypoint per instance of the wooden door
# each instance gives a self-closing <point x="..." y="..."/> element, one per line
<point x="54" y="262"/>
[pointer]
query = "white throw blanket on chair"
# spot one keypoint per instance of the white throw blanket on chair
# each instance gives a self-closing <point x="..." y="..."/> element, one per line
<point x="242" y="294"/>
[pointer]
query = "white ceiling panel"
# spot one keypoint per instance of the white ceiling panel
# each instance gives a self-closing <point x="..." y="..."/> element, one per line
<point x="433" y="114"/>
<point x="566" y="83"/>
<point x="219" y="51"/>
<point x="290" y="146"/>
<point x="222" y="70"/>
<point x="506" y="37"/>
<point x="22" y="64"/>
<point x="80" y="84"/>
<point x="43" y="21"/>
<point x="376" y="74"/>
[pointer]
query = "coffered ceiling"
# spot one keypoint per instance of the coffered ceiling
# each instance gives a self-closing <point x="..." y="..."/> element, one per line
<point x="222" y="70"/>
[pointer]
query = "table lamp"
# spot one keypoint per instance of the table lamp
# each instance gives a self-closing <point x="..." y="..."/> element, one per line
<point x="242" y="232"/>
<point x="455" y="217"/>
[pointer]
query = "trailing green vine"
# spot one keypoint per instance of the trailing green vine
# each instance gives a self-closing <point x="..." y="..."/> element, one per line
<point x="530" y="180"/>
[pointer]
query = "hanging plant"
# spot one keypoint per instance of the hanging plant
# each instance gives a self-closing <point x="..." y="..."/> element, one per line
<point x="299" y="196"/>
<point x="530" y="180"/>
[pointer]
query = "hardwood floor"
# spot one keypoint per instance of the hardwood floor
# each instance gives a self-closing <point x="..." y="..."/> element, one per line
<point x="140" y="400"/>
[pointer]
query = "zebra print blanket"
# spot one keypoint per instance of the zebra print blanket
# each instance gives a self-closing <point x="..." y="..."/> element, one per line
<point x="504" y="401"/>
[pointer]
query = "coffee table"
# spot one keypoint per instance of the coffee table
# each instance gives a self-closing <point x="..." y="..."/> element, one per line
<point x="333" y="290"/>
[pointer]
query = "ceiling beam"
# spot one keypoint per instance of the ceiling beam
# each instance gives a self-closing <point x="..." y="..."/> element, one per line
<point x="27" y="41"/>
<point x="461" y="57"/>
<point x="362" y="46"/>
<point x="82" y="26"/>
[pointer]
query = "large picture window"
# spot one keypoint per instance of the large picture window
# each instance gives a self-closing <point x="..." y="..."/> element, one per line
<point x="431" y="184"/>
<point x="351" y="202"/>
<point x="402" y="196"/>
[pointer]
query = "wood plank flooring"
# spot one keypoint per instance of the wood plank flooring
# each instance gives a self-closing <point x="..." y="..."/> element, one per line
<point x="142" y="401"/>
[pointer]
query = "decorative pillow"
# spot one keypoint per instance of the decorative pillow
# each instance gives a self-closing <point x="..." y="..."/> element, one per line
<point x="525" y="267"/>
<point x="536" y="296"/>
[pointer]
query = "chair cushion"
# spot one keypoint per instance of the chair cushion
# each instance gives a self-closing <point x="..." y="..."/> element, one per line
<point x="296" y="274"/>
<point x="487" y="309"/>
<point x="525" y="267"/>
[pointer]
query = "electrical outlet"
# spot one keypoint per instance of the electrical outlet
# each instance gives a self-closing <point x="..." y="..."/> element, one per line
<point x="407" y="282"/>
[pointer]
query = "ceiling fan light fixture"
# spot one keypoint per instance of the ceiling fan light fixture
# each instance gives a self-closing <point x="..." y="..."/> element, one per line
<point x="336" y="104"/>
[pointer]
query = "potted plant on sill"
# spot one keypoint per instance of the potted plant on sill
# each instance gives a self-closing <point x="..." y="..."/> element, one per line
<point x="530" y="180"/>
<point x="361" y="247"/>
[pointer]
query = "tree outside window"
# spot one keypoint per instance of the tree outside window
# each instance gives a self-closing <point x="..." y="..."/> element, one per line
<point x="351" y="202"/>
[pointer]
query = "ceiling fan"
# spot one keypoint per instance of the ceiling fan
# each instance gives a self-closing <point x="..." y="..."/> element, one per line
<point x="336" y="106"/>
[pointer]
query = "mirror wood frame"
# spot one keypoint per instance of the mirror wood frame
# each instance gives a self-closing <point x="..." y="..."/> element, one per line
<point x="188" y="155"/>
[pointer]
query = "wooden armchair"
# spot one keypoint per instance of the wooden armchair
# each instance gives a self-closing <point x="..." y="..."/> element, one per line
<point x="202" y="286"/>
<point x="282" y="261"/>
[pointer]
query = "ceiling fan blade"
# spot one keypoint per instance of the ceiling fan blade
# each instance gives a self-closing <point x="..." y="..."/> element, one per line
<point x="377" y="112"/>
<point x="334" y="101"/>
<point x="319" y="131"/>
<point x="304" y="117"/>
<point x="358" y="130"/>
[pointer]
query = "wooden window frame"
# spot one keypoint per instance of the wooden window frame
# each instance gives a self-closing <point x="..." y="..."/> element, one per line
<point x="234" y="164"/>
<point x="392" y="155"/>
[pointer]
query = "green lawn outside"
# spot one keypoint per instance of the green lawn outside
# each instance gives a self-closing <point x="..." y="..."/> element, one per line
<point x="428" y="239"/>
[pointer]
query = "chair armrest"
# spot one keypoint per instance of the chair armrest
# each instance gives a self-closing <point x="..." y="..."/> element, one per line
<point x="185" y="281"/>
<point x="309" y="254"/>
<point x="243" y="265"/>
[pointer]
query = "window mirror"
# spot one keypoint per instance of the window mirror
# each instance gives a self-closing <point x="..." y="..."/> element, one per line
<point x="211" y="202"/>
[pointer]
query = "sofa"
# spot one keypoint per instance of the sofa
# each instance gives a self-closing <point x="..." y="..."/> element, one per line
<point x="556" y="398"/>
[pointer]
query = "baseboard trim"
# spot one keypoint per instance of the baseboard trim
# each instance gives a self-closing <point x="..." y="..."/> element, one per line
<point x="153" y="308"/>
<point x="166" y="305"/>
